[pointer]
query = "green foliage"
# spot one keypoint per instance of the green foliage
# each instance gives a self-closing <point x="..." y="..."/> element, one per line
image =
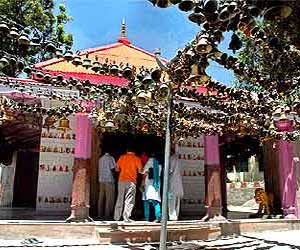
<point x="37" y="15"/>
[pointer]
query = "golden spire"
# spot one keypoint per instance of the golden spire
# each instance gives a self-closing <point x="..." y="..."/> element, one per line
<point x="123" y="38"/>
<point x="123" y="29"/>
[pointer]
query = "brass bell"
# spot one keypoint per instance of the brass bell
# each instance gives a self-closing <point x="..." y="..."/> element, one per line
<point x="49" y="122"/>
<point x="114" y="69"/>
<point x="50" y="47"/>
<point x="77" y="60"/>
<point x="143" y="97"/>
<point x="39" y="74"/>
<point x="96" y="66"/>
<point x="278" y="12"/>
<point x="186" y="5"/>
<point x="147" y="80"/>
<point x="26" y="70"/>
<point x="210" y="5"/>
<point x="203" y="46"/>
<point x="163" y="91"/>
<point x="197" y="76"/>
<point x="68" y="55"/>
<point x="24" y="40"/>
<point x="235" y="43"/>
<point x="232" y="6"/>
<point x="156" y="74"/>
<point x="163" y="3"/>
<point x="254" y="11"/>
<point x="3" y="61"/>
<point x="4" y="27"/>
<point x="47" y="77"/>
<point x="197" y="18"/>
<point x="224" y="15"/>
<point x="87" y="63"/>
<point x="59" y="53"/>
<point x="64" y="124"/>
<point x="14" y="33"/>
<point x="127" y="72"/>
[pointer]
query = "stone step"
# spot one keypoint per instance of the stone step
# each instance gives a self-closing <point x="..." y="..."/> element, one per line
<point x="152" y="234"/>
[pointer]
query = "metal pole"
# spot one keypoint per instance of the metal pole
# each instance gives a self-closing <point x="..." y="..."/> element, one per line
<point x="164" y="219"/>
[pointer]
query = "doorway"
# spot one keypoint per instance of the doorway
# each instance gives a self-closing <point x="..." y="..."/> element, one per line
<point x="26" y="179"/>
<point x="117" y="144"/>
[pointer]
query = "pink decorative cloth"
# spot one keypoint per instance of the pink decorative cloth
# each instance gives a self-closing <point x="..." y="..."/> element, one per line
<point x="83" y="144"/>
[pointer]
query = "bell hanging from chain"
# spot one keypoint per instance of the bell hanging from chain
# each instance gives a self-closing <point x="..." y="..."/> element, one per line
<point x="224" y="14"/>
<point x="39" y="74"/>
<point x="3" y="62"/>
<point x="23" y="39"/>
<point x="197" y="17"/>
<point x="127" y="73"/>
<point x="87" y="63"/>
<point x="49" y="122"/>
<point x="64" y="124"/>
<point x="4" y="29"/>
<point x="210" y="5"/>
<point x="186" y="5"/>
<point x="50" y="47"/>
<point x="68" y="55"/>
<point x="175" y="1"/>
<point x="114" y="69"/>
<point x="156" y="74"/>
<point x="14" y="33"/>
<point x="163" y="3"/>
<point x="235" y="43"/>
<point x="147" y="80"/>
<point x="59" y="53"/>
<point x="77" y="60"/>
<point x="96" y="66"/>
<point x="277" y="12"/>
<point x="163" y="91"/>
<point x="143" y="97"/>
<point x="203" y="46"/>
<point x="196" y="75"/>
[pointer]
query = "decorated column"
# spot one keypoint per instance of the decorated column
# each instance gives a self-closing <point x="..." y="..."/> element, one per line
<point x="296" y="161"/>
<point x="213" y="177"/>
<point x="286" y="170"/>
<point x="82" y="169"/>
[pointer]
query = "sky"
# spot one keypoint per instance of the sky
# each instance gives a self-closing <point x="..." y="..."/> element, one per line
<point x="98" y="22"/>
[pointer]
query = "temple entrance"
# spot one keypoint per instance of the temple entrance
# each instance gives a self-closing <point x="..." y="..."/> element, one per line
<point x="26" y="179"/>
<point x="117" y="144"/>
<point x="242" y="158"/>
<point x="19" y="146"/>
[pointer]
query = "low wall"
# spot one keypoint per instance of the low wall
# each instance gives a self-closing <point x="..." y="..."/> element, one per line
<point x="239" y="193"/>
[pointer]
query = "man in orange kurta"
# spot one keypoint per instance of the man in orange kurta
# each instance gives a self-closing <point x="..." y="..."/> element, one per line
<point x="128" y="165"/>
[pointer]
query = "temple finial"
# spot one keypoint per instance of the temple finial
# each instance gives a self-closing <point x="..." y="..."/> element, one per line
<point x="123" y="29"/>
<point x="123" y="38"/>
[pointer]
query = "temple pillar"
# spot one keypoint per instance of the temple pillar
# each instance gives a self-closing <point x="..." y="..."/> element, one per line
<point x="80" y="204"/>
<point x="296" y="161"/>
<point x="271" y="174"/>
<point x="96" y="152"/>
<point x="287" y="178"/>
<point x="213" y="179"/>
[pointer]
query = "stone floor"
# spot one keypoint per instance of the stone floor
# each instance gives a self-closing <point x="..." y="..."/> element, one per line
<point x="262" y="241"/>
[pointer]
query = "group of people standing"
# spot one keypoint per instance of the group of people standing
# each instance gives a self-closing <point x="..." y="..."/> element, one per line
<point x="126" y="171"/>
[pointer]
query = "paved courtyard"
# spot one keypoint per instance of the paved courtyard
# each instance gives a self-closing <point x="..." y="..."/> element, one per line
<point x="268" y="240"/>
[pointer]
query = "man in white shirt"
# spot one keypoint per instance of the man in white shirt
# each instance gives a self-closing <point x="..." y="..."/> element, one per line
<point x="106" y="166"/>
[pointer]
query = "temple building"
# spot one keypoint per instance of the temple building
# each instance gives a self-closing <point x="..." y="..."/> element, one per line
<point x="40" y="174"/>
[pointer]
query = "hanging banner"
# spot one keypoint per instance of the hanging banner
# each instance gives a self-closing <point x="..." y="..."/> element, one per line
<point x="57" y="149"/>
<point x="190" y="153"/>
